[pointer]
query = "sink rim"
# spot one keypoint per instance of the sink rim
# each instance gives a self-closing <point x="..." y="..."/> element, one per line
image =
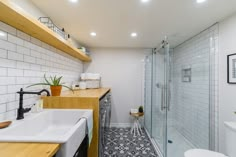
<point x="60" y="139"/>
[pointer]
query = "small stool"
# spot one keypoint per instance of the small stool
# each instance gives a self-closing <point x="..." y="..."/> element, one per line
<point x="136" y="126"/>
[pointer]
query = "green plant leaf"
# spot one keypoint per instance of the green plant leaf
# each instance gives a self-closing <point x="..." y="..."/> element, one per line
<point x="45" y="78"/>
<point x="68" y="88"/>
<point x="54" y="81"/>
<point x="38" y="84"/>
<point x="59" y="80"/>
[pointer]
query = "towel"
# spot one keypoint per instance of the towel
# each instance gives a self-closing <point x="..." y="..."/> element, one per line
<point x="89" y="125"/>
<point x="90" y="76"/>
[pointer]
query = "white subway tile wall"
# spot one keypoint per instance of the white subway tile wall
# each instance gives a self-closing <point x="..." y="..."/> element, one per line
<point x="192" y="101"/>
<point x="23" y="61"/>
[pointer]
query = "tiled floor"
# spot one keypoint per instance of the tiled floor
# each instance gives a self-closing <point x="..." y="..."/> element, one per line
<point x="121" y="143"/>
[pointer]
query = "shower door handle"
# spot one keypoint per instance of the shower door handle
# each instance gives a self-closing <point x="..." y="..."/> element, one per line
<point x="162" y="99"/>
<point x="162" y="87"/>
<point x="168" y="99"/>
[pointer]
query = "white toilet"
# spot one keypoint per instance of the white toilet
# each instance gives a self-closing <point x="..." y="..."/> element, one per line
<point x="230" y="145"/>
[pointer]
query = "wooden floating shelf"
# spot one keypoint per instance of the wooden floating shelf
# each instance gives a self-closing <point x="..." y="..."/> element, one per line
<point x="18" y="18"/>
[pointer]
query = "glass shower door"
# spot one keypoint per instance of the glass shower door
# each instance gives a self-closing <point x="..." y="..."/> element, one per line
<point x="160" y="97"/>
<point x="148" y="93"/>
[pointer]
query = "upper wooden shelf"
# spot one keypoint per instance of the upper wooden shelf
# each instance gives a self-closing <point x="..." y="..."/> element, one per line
<point x="18" y="18"/>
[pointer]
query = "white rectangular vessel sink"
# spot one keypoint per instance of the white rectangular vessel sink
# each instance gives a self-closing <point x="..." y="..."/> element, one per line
<point x="64" y="126"/>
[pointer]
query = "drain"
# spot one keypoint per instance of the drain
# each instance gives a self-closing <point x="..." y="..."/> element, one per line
<point x="170" y="141"/>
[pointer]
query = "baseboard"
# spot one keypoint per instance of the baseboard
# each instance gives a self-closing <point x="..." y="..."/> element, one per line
<point x="121" y="125"/>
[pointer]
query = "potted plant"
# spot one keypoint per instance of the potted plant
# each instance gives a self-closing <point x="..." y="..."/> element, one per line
<point x="54" y="83"/>
<point x="140" y="109"/>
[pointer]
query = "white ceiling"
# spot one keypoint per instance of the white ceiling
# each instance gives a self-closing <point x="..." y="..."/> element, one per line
<point x="114" y="20"/>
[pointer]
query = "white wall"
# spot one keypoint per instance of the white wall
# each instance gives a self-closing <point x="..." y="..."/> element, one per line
<point x="122" y="70"/>
<point x="227" y="92"/>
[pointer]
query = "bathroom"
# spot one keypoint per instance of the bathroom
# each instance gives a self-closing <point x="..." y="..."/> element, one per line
<point x="141" y="78"/>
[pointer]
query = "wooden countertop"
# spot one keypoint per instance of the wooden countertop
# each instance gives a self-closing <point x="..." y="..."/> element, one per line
<point x="86" y="93"/>
<point x="28" y="149"/>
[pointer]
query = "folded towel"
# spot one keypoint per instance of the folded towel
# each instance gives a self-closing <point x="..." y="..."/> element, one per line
<point x="89" y="123"/>
<point x="90" y="76"/>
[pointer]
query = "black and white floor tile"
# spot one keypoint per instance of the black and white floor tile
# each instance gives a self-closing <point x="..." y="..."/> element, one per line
<point x="120" y="142"/>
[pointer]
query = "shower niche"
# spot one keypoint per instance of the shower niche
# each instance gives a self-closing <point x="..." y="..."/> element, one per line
<point x="186" y="74"/>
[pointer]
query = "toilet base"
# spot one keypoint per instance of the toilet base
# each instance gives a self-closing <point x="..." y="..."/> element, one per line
<point x="202" y="153"/>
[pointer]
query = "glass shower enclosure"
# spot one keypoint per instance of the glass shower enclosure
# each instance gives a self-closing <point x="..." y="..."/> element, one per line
<point x="180" y="102"/>
<point x="157" y="78"/>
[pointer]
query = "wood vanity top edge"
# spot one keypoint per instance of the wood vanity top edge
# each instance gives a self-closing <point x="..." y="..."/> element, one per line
<point x="28" y="149"/>
<point x="87" y="93"/>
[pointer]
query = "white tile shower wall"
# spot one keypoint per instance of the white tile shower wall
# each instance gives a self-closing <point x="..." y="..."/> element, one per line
<point x="23" y="61"/>
<point x="190" y="103"/>
<point x="214" y="87"/>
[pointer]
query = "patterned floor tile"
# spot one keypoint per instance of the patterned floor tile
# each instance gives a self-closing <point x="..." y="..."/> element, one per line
<point x="119" y="142"/>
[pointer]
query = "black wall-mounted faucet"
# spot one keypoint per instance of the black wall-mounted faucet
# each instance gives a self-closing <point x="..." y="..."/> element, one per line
<point x="21" y="110"/>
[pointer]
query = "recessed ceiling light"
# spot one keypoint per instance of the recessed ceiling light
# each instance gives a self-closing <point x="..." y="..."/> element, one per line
<point x="144" y="1"/>
<point x="201" y="1"/>
<point x="133" y="34"/>
<point x="73" y="1"/>
<point x="93" y="34"/>
<point x="3" y="34"/>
